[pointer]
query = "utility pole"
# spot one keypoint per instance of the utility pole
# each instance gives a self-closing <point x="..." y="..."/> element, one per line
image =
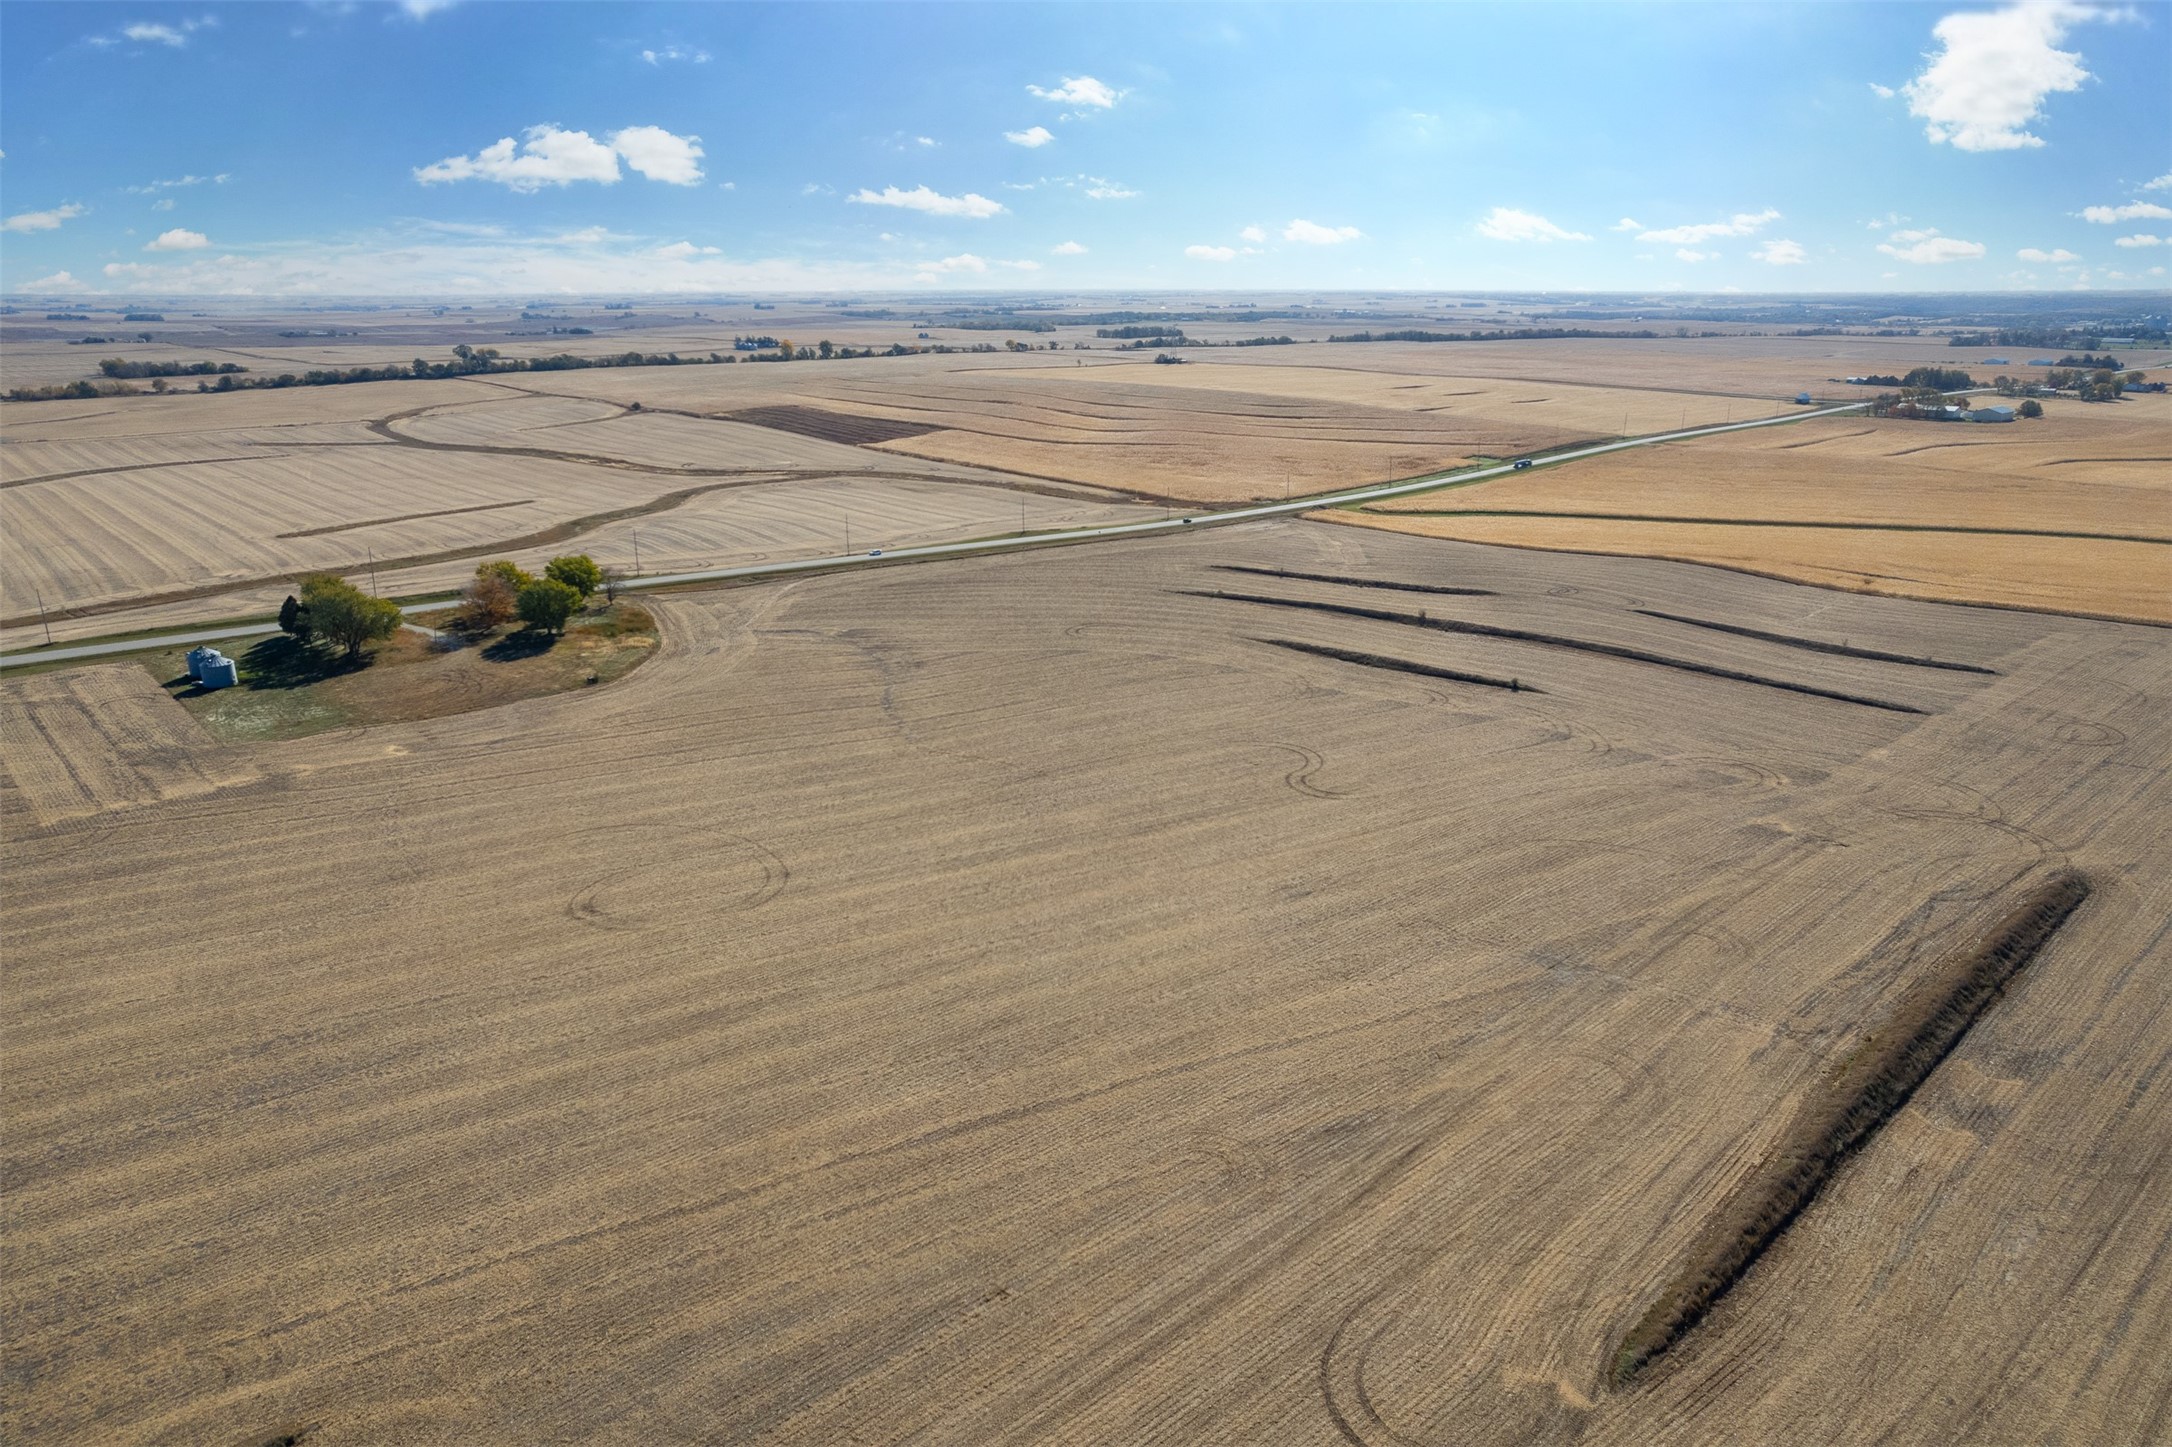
<point x="637" y="552"/>
<point x="373" y="570"/>
<point x="848" y="537"/>
<point x="1021" y="514"/>
<point x="42" y="620"/>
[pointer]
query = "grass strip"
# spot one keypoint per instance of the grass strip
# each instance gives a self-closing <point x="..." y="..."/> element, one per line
<point x="1786" y="640"/>
<point x="1400" y="665"/>
<point x="1549" y="640"/>
<point x="1357" y="582"/>
<point x="1860" y="1094"/>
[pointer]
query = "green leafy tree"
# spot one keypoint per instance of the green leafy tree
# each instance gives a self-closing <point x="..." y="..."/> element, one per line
<point x="577" y="571"/>
<point x="514" y="575"/>
<point x="345" y="616"/>
<point x="547" y="604"/>
<point x="2030" y="408"/>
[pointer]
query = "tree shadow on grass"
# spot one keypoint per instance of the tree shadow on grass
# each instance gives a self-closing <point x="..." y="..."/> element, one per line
<point x="527" y="643"/>
<point x="283" y="662"/>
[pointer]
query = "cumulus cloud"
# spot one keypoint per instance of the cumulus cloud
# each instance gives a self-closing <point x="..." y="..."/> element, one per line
<point x="166" y="204"/>
<point x="1626" y="224"/>
<point x="42" y="220"/>
<point x="1683" y="253"/>
<point x="681" y="250"/>
<point x="676" y="53"/>
<point x="1253" y="234"/>
<point x="549" y="156"/>
<point x="659" y="155"/>
<point x="179" y="239"/>
<point x="1067" y="248"/>
<point x="1080" y="90"/>
<point x="922" y="198"/>
<point x="1992" y="71"/>
<point x="1927" y="248"/>
<point x="966" y="261"/>
<point x="2132" y="211"/>
<point x="1506" y="223"/>
<point x="1780" y="253"/>
<point x="1742" y="223"/>
<point x="1313" y="234"/>
<point x="424" y="9"/>
<point x="1100" y="188"/>
<point x="1211" y="253"/>
<point x="1022" y="265"/>
<point x="1883" y="92"/>
<point x="2139" y="239"/>
<point x="58" y="281"/>
<point x="1031" y="138"/>
<point x="2031" y="253"/>
<point x="2162" y="183"/>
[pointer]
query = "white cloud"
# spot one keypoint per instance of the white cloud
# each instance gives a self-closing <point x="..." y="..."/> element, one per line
<point x="1742" y="223"/>
<point x="547" y="157"/>
<point x="1505" y="223"/>
<point x="2031" y="253"/>
<point x="2162" y="183"/>
<point x="659" y="155"/>
<point x="153" y="187"/>
<point x="149" y="33"/>
<point x="586" y="236"/>
<point x="2139" y="239"/>
<point x="1780" y="253"/>
<point x="1313" y="234"/>
<point x="1021" y="265"/>
<point x="1067" y="248"/>
<point x="424" y="9"/>
<point x="1928" y="248"/>
<point x="42" y="220"/>
<point x="681" y="250"/>
<point x="1031" y="138"/>
<point x="676" y="52"/>
<point x="179" y="239"/>
<point x="1626" y="224"/>
<point x="921" y="198"/>
<point x="1883" y="92"/>
<point x="924" y="141"/>
<point x="1683" y="253"/>
<point x="2132" y="211"/>
<point x="1992" y="71"/>
<point x="1080" y="90"/>
<point x="964" y="262"/>
<point x="1211" y="253"/>
<point x="1102" y="189"/>
<point x="58" y="281"/>
<point x="1252" y="234"/>
<point x="163" y="205"/>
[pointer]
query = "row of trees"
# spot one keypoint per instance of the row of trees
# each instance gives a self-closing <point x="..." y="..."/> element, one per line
<point x="332" y="610"/>
<point x="502" y="591"/>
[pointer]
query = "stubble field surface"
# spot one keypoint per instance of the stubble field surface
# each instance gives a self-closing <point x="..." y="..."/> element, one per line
<point x="2069" y="511"/>
<point x="1019" y="1001"/>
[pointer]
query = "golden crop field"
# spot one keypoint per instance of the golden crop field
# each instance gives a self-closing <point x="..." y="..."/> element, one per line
<point x="1100" y="996"/>
<point x="2071" y="511"/>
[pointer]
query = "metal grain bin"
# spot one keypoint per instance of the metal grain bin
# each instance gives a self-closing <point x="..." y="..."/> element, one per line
<point x="218" y="671"/>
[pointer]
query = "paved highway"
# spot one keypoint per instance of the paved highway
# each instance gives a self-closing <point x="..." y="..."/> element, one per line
<point x="989" y="545"/>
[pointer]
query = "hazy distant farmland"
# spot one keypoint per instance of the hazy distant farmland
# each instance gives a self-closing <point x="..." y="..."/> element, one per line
<point x="1296" y="1050"/>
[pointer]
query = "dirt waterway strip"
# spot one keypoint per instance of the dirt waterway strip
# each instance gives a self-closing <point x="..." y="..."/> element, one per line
<point x="1860" y="1094"/>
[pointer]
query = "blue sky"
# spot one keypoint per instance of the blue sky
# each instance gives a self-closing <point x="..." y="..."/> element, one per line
<point x="492" y="146"/>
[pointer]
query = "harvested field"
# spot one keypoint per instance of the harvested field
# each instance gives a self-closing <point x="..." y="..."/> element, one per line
<point x="81" y="742"/>
<point x="1004" y="1002"/>
<point x="2039" y="514"/>
<point x="831" y="426"/>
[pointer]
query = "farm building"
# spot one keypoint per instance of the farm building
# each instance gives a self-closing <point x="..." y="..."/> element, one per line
<point x="1992" y="414"/>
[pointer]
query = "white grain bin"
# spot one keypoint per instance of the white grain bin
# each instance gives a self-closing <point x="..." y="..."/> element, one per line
<point x="218" y="671"/>
<point x="198" y="657"/>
